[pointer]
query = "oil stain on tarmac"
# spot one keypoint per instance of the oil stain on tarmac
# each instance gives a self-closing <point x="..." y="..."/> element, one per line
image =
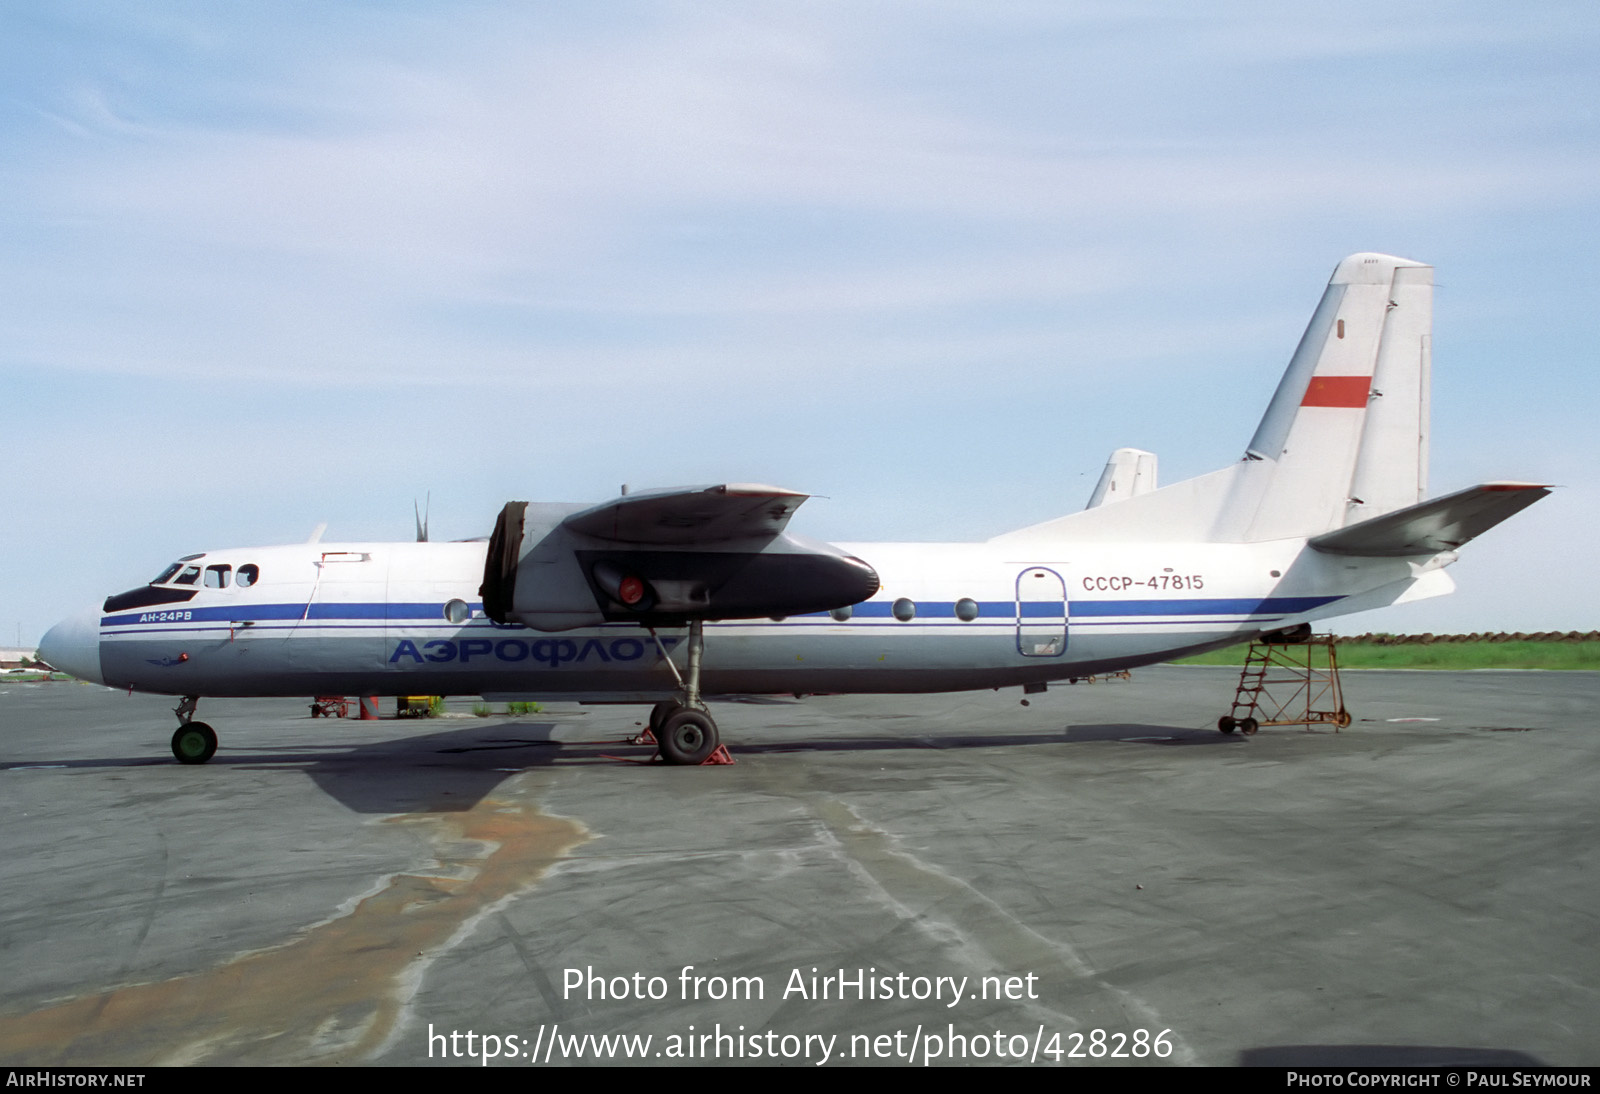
<point x="334" y="993"/>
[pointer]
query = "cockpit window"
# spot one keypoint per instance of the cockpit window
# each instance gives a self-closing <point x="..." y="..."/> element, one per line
<point x="249" y="574"/>
<point x="188" y="576"/>
<point x="217" y="576"/>
<point x="166" y="575"/>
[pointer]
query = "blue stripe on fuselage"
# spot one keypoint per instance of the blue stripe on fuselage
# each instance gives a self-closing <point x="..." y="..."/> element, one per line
<point x="927" y="611"/>
<point x="243" y="613"/>
<point x="1035" y="609"/>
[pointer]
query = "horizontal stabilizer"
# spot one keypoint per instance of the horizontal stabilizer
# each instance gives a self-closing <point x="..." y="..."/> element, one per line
<point x="1430" y="527"/>
<point x="695" y="515"/>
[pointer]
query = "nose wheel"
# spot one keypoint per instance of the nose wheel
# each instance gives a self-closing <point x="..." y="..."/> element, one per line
<point x="194" y="742"/>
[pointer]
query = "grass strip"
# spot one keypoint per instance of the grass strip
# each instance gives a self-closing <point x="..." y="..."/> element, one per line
<point x="1440" y="655"/>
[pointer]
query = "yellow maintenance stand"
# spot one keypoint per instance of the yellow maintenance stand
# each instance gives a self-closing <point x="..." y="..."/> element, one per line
<point x="1289" y="679"/>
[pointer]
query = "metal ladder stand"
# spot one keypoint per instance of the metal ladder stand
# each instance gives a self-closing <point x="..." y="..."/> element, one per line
<point x="1288" y="680"/>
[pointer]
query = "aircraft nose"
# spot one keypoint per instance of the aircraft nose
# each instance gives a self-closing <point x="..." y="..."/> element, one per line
<point x="73" y="646"/>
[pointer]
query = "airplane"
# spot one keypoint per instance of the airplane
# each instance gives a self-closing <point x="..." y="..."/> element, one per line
<point x="669" y="597"/>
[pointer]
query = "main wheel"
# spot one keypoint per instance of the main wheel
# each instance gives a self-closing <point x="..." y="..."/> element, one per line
<point x="687" y="738"/>
<point x="1248" y="726"/>
<point x="661" y="712"/>
<point x="194" y="743"/>
<point x="1227" y="724"/>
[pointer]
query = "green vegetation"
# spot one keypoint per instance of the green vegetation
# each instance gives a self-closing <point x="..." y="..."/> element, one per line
<point x="419" y="706"/>
<point x="1450" y="652"/>
<point x="482" y="710"/>
<point x="523" y="708"/>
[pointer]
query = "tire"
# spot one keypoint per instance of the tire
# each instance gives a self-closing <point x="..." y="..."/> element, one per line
<point x="660" y="713"/>
<point x="1342" y="719"/>
<point x="1248" y="726"/>
<point x="1227" y="724"/>
<point x="687" y="738"/>
<point x="194" y="743"/>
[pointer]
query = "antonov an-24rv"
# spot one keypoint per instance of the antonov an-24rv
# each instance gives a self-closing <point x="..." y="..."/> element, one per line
<point x="665" y="596"/>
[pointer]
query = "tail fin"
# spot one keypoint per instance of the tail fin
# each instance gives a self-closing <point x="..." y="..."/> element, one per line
<point x="1344" y="439"/>
<point x="1346" y="434"/>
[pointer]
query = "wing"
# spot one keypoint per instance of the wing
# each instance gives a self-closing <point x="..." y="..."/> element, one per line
<point x="663" y="558"/>
<point x="701" y="515"/>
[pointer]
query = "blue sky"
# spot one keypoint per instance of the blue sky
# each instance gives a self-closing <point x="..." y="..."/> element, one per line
<point x="273" y="265"/>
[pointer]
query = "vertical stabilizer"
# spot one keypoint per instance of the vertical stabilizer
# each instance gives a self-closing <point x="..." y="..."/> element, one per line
<point x="1345" y="436"/>
<point x="1392" y="466"/>
<point x="1344" y="439"/>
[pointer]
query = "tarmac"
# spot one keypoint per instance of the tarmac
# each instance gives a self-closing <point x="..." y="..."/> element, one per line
<point x="1096" y="877"/>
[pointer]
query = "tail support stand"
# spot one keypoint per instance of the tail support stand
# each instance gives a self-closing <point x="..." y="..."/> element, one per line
<point x="1285" y="682"/>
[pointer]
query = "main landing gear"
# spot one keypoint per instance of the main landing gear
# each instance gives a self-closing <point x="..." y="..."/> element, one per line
<point x="194" y="742"/>
<point x="683" y="728"/>
<point x="683" y="735"/>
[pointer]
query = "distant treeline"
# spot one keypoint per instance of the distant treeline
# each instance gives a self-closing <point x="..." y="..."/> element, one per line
<point x="1428" y="639"/>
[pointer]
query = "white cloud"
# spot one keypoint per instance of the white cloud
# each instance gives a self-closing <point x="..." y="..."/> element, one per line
<point x="695" y="205"/>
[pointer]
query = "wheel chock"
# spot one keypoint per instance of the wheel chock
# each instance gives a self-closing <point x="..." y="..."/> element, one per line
<point x="719" y="755"/>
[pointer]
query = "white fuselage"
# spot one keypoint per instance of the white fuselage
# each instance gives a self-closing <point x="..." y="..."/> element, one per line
<point x="405" y="618"/>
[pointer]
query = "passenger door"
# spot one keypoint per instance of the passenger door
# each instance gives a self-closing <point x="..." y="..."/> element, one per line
<point x="1041" y="613"/>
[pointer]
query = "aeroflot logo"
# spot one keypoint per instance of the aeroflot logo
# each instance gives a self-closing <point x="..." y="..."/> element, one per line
<point x="545" y="651"/>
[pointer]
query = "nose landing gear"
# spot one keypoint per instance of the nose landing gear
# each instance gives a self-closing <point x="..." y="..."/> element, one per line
<point x="194" y="742"/>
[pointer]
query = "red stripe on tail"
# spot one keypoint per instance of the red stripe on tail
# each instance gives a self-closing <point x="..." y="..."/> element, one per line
<point x="1343" y="391"/>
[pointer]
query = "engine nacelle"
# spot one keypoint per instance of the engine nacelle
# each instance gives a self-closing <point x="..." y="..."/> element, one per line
<point x="545" y="569"/>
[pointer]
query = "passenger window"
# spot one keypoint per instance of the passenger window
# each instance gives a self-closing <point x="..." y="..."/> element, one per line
<point x="249" y="574"/>
<point x="188" y="576"/>
<point x="217" y="576"/>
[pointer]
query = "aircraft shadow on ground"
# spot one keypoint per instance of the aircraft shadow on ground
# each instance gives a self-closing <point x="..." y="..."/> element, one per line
<point x="453" y="770"/>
